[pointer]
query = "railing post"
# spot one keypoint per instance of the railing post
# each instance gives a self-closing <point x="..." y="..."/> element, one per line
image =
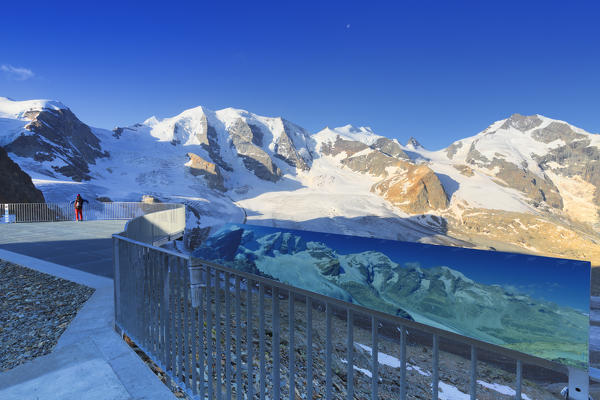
<point x="579" y="384"/>
<point x="117" y="281"/>
<point x="473" y="390"/>
<point x="6" y="215"/>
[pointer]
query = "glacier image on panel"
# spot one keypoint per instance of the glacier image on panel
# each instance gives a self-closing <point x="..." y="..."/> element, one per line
<point x="536" y="305"/>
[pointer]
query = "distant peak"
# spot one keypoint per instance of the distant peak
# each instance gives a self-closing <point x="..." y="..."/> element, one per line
<point x="15" y="109"/>
<point x="151" y="121"/>
<point x="522" y="122"/>
<point x="414" y="143"/>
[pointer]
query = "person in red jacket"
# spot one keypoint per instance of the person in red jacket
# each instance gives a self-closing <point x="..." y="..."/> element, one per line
<point x="79" y="207"/>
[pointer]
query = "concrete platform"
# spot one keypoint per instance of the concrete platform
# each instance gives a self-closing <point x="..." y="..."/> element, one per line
<point x="90" y="360"/>
<point x="86" y="246"/>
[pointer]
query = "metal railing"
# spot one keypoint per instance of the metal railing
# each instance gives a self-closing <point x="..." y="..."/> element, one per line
<point x="94" y="210"/>
<point x="220" y="333"/>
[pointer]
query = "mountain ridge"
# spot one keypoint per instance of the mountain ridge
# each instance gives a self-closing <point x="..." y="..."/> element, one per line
<point x="531" y="169"/>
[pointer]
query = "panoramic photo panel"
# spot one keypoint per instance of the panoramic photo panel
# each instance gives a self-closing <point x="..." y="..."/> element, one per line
<point x="535" y="305"/>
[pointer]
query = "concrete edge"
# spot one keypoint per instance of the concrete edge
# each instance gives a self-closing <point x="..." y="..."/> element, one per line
<point x="60" y="271"/>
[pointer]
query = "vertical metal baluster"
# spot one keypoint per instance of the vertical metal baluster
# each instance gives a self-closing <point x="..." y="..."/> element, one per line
<point x="375" y="358"/>
<point x="434" y="368"/>
<point x="402" y="363"/>
<point x="164" y="314"/>
<point x="473" y="390"/>
<point x="275" y="344"/>
<point x="261" y="338"/>
<point x="328" y="351"/>
<point x="350" y="350"/>
<point x="177" y="319"/>
<point x="291" y="356"/>
<point x="149" y="301"/>
<point x="219" y="353"/>
<point x="309" y="358"/>
<point x="209" y="353"/>
<point x="238" y="339"/>
<point x="151" y="266"/>
<point x="228" y="335"/>
<point x="201" y="333"/>
<point x="194" y="344"/>
<point x="186" y="309"/>
<point x="249" y="339"/>
<point x="173" y="332"/>
<point x="519" y="380"/>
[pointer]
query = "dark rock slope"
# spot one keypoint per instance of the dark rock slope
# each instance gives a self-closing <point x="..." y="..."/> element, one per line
<point x="16" y="185"/>
<point x="60" y="138"/>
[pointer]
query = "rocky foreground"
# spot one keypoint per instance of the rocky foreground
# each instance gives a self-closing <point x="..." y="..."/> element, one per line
<point x="35" y="310"/>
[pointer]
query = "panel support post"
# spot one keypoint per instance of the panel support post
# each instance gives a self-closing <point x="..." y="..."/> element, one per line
<point x="579" y="384"/>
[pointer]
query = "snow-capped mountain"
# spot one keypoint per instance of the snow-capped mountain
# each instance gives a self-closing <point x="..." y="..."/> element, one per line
<point x="523" y="184"/>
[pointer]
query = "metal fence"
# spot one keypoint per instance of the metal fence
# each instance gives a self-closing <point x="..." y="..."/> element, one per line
<point x="220" y="333"/>
<point x="94" y="210"/>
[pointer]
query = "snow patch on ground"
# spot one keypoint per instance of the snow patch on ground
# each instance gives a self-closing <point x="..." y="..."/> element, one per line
<point x="506" y="390"/>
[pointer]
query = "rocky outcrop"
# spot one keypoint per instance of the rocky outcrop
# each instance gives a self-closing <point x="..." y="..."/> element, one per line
<point x="287" y="151"/>
<point x="575" y="158"/>
<point x="374" y="163"/>
<point x="538" y="189"/>
<point x="15" y="185"/>
<point x="414" y="143"/>
<point x="209" y="171"/>
<point x="60" y="138"/>
<point x="522" y="122"/>
<point x="416" y="190"/>
<point x="350" y="147"/>
<point x="246" y="139"/>
<point x="464" y="169"/>
<point x="390" y="148"/>
<point x="453" y="148"/>
<point x="555" y="131"/>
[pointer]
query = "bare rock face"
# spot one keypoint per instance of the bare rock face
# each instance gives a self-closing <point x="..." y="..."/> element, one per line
<point x="246" y="140"/>
<point x="287" y="151"/>
<point x="453" y="148"/>
<point x="577" y="157"/>
<point x="391" y="148"/>
<point x="374" y="163"/>
<point x="464" y="169"/>
<point x="416" y="190"/>
<point x="211" y="172"/>
<point x="340" y="145"/>
<point x="538" y="188"/>
<point x="59" y="135"/>
<point x="15" y="185"/>
<point x="522" y="122"/>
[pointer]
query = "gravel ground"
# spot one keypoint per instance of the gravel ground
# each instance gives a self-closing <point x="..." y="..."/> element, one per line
<point x="35" y="309"/>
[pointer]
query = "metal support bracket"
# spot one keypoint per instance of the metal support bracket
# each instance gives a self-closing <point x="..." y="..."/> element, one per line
<point x="579" y="384"/>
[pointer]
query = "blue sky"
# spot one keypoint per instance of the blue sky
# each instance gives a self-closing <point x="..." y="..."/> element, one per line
<point x="438" y="71"/>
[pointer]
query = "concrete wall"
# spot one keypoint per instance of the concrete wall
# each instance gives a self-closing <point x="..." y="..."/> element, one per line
<point x="158" y="226"/>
